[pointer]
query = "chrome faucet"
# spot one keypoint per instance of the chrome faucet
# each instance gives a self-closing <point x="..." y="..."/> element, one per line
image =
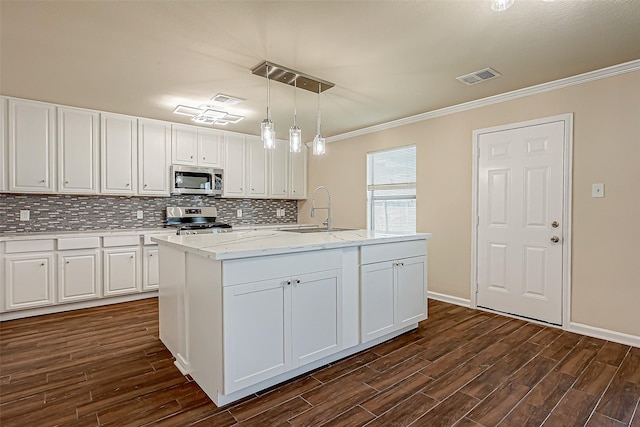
<point x="328" y="208"/>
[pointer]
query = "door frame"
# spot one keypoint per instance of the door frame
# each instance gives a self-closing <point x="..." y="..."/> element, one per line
<point x="566" y="211"/>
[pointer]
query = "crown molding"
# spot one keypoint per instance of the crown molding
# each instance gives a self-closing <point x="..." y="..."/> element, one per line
<point x="614" y="70"/>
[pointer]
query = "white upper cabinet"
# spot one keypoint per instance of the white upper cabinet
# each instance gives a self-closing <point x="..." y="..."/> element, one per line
<point x="279" y="170"/>
<point x="257" y="167"/>
<point x="234" y="166"/>
<point x="194" y="146"/>
<point x="118" y="154"/>
<point x="298" y="174"/>
<point x="210" y="144"/>
<point x="154" y="153"/>
<point x="31" y="146"/>
<point x="3" y="144"/>
<point x="184" y="145"/>
<point x="77" y="151"/>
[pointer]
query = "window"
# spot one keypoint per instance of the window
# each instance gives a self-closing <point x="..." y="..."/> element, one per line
<point x="391" y="190"/>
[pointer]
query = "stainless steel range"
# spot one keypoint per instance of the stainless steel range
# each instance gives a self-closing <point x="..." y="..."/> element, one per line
<point x="195" y="220"/>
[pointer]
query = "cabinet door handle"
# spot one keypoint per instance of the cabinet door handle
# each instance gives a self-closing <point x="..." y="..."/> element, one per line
<point x="297" y="281"/>
<point x="145" y="186"/>
<point x="67" y="262"/>
<point x="191" y="157"/>
<point x="131" y="257"/>
<point x="127" y="185"/>
<point x="204" y="158"/>
<point x="42" y="180"/>
<point x="66" y="182"/>
<point x="42" y="264"/>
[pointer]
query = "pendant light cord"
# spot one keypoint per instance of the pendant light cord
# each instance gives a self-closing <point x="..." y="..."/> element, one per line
<point x="295" y="100"/>
<point x="268" y="92"/>
<point x="319" y="114"/>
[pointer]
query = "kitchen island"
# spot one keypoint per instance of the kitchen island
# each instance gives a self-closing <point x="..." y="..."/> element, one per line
<point x="245" y="310"/>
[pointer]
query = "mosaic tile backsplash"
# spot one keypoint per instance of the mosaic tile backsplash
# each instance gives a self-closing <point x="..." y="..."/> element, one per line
<point x="80" y="213"/>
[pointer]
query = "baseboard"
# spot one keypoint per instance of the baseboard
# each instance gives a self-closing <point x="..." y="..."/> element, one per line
<point x="605" y="334"/>
<point x="59" y="308"/>
<point x="448" y="298"/>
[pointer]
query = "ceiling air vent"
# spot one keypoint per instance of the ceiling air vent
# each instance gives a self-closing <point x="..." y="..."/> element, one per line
<point x="479" y="76"/>
<point x="226" y="99"/>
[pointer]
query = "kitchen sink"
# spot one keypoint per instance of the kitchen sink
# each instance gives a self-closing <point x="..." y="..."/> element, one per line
<point x="315" y="230"/>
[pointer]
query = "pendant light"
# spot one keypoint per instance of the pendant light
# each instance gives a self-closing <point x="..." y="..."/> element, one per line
<point x="295" y="134"/>
<point x="318" y="140"/>
<point x="501" y="5"/>
<point x="267" y="129"/>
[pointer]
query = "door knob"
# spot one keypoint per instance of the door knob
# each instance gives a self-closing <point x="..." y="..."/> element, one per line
<point x="555" y="224"/>
<point x="555" y="239"/>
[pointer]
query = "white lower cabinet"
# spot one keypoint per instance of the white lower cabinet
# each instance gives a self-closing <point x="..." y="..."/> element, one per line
<point x="121" y="271"/>
<point x="29" y="280"/>
<point x="78" y="275"/>
<point x="393" y="293"/>
<point x="288" y="321"/>
<point x="150" y="269"/>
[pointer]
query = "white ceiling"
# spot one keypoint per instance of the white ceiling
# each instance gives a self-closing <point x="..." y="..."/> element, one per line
<point x="388" y="59"/>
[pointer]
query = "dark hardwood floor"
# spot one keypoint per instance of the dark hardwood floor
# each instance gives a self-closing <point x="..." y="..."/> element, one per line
<point x="462" y="367"/>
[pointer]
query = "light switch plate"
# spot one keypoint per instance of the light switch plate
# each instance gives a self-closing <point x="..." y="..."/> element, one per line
<point x="139" y="214"/>
<point x="597" y="190"/>
<point x="25" y="214"/>
<point x="238" y="213"/>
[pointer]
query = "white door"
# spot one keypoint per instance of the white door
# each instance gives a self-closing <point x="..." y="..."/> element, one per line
<point x="316" y="316"/>
<point x="256" y="341"/>
<point x="77" y="151"/>
<point x="119" y="141"/>
<point x="154" y="152"/>
<point x="210" y="148"/>
<point x="234" y="165"/>
<point x="520" y="210"/>
<point x="257" y="168"/>
<point x="121" y="272"/>
<point x="31" y="146"/>
<point x="377" y="295"/>
<point x="184" y="145"/>
<point x="78" y="275"/>
<point x="411" y="293"/>
<point x="29" y="280"/>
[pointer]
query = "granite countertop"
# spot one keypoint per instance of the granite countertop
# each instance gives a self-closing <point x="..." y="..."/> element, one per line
<point x="251" y="243"/>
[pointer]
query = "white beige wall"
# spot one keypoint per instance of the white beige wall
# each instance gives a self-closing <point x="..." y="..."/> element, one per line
<point x="606" y="232"/>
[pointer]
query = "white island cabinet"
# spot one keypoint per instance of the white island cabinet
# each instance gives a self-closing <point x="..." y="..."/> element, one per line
<point x="246" y="310"/>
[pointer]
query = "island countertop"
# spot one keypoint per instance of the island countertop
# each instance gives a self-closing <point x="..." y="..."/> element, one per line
<point x="252" y="243"/>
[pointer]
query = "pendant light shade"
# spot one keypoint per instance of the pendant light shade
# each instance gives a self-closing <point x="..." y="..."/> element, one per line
<point x="267" y="129"/>
<point x="318" y="140"/>
<point x="501" y="5"/>
<point x="295" y="134"/>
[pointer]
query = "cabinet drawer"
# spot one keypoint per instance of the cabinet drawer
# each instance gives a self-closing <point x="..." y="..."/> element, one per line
<point x="392" y="251"/>
<point x="78" y="243"/>
<point x="129" y="240"/>
<point x="29" y="246"/>
<point x="270" y="267"/>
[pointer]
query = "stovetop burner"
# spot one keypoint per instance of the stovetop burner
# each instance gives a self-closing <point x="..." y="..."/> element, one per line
<point x="195" y="220"/>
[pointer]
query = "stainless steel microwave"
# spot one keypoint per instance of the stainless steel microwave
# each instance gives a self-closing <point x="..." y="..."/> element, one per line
<point x="196" y="180"/>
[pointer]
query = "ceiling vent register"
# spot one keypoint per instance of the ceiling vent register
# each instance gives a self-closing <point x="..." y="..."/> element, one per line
<point x="479" y="76"/>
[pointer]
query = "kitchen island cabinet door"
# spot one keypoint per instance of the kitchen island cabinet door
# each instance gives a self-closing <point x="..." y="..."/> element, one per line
<point x="256" y="332"/>
<point x="78" y="275"/>
<point x="29" y="280"/>
<point x="316" y="316"/>
<point x="411" y="293"/>
<point x="377" y="300"/>
<point x="121" y="271"/>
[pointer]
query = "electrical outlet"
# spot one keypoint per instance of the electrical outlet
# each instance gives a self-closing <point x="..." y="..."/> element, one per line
<point x="238" y="213"/>
<point x="277" y="213"/>
<point x="282" y="212"/>
<point x="597" y="190"/>
<point x="25" y="214"/>
<point x="139" y="214"/>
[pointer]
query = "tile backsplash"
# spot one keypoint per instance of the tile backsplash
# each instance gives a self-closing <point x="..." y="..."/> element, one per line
<point x="78" y="213"/>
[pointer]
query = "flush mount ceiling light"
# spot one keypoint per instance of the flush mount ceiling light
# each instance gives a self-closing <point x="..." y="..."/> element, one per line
<point x="207" y="115"/>
<point x="300" y="81"/>
<point x="501" y="5"/>
<point x="267" y="129"/>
